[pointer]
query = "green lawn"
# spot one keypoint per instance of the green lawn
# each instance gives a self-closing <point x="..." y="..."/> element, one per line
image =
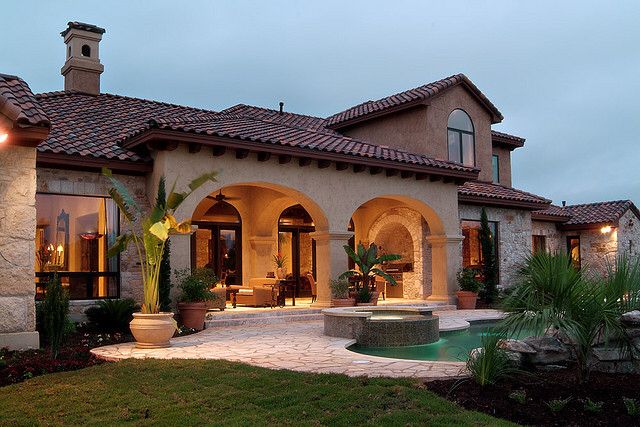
<point x="216" y="392"/>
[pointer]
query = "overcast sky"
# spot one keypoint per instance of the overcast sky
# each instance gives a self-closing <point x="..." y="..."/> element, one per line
<point x="566" y="75"/>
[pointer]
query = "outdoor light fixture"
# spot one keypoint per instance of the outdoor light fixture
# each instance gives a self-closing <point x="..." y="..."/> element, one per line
<point x="3" y="136"/>
<point x="606" y="229"/>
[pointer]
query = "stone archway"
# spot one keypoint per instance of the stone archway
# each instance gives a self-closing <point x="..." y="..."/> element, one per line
<point x="403" y="231"/>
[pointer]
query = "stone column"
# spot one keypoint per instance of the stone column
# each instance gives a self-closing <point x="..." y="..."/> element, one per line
<point x="180" y="258"/>
<point x="445" y="263"/>
<point x="17" y="248"/>
<point x="331" y="262"/>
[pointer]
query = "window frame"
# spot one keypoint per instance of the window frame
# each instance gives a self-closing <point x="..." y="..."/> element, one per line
<point x="576" y="263"/>
<point x="461" y="132"/>
<point x="495" y="171"/>
<point x="496" y="240"/>
<point x="543" y="239"/>
<point x="89" y="275"/>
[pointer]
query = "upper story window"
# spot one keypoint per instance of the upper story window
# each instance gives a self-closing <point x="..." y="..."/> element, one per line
<point x="461" y="138"/>
<point x="495" y="168"/>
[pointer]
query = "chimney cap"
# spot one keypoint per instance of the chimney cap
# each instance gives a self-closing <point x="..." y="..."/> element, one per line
<point x="564" y="203"/>
<point x="76" y="25"/>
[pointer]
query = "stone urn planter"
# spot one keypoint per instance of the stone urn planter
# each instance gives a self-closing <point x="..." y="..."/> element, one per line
<point x="152" y="330"/>
<point x="467" y="300"/>
<point x="192" y="314"/>
<point x="343" y="302"/>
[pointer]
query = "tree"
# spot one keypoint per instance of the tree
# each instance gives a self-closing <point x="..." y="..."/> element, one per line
<point x="55" y="309"/>
<point x="164" y="285"/>
<point x="489" y="262"/>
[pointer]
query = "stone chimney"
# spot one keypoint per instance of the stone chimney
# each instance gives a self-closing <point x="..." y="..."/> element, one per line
<point x="82" y="68"/>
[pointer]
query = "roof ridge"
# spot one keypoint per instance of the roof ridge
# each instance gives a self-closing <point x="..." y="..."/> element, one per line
<point x="273" y="110"/>
<point x="597" y="203"/>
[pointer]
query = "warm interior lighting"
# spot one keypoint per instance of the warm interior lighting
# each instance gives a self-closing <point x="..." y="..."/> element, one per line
<point x="3" y="136"/>
<point x="606" y="229"/>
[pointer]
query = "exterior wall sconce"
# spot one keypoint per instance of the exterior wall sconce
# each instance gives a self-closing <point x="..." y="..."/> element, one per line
<point x="3" y="137"/>
<point x="606" y="229"/>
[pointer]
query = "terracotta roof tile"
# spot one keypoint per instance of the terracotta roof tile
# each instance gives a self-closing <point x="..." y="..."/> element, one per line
<point x="91" y="125"/>
<point x="408" y="98"/>
<point x="19" y="104"/>
<point x="507" y="139"/>
<point x="590" y="213"/>
<point x="497" y="192"/>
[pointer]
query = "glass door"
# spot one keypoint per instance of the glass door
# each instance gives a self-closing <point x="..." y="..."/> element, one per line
<point x="218" y="247"/>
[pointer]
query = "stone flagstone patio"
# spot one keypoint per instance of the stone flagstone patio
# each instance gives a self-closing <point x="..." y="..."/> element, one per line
<point x="299" y="346"/>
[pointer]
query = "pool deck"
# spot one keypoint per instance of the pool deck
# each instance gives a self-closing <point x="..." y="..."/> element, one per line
<point x="299" y="346"/>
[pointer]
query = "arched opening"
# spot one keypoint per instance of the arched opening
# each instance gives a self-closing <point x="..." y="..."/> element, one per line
<point x="217" y="243"/>
<point x="85" y="50"/>
<point x="398" y="228"/>
<point x="296" y="244"/>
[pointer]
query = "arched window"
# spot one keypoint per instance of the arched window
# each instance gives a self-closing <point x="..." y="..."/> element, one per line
<point x="461" y="138"/>
<point x="86" y="50"/>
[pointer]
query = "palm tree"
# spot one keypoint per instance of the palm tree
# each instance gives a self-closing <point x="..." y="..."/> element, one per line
<point x="367" y="261"/>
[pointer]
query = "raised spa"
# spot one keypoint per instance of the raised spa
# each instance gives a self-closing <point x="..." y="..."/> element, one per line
<point x="382" y="326"/>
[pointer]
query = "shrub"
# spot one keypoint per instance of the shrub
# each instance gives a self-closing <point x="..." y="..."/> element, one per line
<point x="468" y="281"/>
<point x="557" y="405"/>
<point x="55" y="314"/>
<point x="195" y="285"/>
<point x="490" y="363"/>
<point x="593" y="407"/>
<point x="164" y="280"/>
<point x="489" y="263"/>
<point x="112" y="314"/>
<point x="632" y="406"/>
<point x="339" y="289"/>
<point x="519" y="396"/>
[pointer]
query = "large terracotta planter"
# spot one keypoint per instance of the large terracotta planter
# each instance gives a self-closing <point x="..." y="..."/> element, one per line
<point x="343" y="302"/>
<point x="372" y="301"/>
<point x="152" y="330"/>
<point x="192" y="314"/>
<point x="467" y="300"/>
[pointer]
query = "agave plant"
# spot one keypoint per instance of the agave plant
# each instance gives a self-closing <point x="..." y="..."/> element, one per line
<point x="367" y="260"/>
<point x="153" y="231"/>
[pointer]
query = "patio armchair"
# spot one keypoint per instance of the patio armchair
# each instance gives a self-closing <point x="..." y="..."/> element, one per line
<point x="258" y="293"/>
<point x="314" y="286"/>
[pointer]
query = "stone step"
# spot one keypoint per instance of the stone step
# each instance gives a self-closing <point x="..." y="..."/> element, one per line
<point x="261" y="320"/>
<point x="230" y="313"/>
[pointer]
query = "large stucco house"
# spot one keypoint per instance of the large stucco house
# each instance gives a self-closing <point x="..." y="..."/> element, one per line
<point x="411" y="172"/>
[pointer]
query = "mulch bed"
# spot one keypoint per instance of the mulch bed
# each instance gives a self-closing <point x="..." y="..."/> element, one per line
<point x="542" y="388"/>
<point x="17" y="366"/>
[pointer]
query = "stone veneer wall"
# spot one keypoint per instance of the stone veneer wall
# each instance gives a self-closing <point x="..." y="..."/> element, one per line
<point x="17" y="243"/>
<point x="629" y="234"/>
<point x="555" y="239"/>
<point x="514" y="237"/>
<point x="80" y="183"/>
<point x="414" y="246"/>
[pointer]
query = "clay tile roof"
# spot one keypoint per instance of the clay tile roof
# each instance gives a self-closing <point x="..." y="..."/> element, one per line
<point x="407" y="99"/>
<point x="233" y="123"/>
<point x="82" y="26"/>
<point x="590" y="213"/>
<point x="18" y="103"/>
<point x="274" y="116"/>
<point x="489" y="193"/>
<point x="90" y="125"/>
<point x="511" y="141"/>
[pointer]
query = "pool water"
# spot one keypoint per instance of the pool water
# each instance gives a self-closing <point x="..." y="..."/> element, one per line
<point x="452" y="346"/>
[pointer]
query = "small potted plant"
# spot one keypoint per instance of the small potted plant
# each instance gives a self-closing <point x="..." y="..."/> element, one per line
<point x="367" y="260"/>
<point x="279" y="261"/>
<point x="340" y="294"/>
<point x="149" y="232"/>
<point x="469" y="288"/>
<point x="195" y="294"/>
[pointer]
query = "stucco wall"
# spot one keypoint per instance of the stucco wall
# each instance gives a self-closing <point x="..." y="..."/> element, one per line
<point x="504" y="165"/>
<point x="514" y="237"/>
<point x="17" y="247"/>
<point x="424" y="131"/>
<point x="58" y="181"/>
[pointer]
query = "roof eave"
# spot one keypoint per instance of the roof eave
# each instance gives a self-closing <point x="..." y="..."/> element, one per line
<point x="92" y="164"/>
<point x="154" y="134"/>
<point x="493" y="201"/>
<point x="549" y="218"/>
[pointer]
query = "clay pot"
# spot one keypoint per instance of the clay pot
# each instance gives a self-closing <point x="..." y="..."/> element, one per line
<point x="467" y="300"/>
<point x="281" y="273"/>
<point x="193" y="314"/>
<point x="343" y="302"/>
<point x="152" y="330"/>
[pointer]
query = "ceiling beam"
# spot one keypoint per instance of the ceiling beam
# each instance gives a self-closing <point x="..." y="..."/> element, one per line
<point x="263" y="156"/>
<point x="323" y="164"/>
<point x="304" y="161"/>
<point x="421" y="176"/>
<point x="375" y="170"/>
<point x="218" y="150"/>
<point x="340" y="166"/>
<point x="406" y="174"/>
<point x="358" y="168"/>
<point x="242" y="153"/>
<point x="392" y="172"/>
<point x="283" y="159"/>
<point x="194" y="148"/>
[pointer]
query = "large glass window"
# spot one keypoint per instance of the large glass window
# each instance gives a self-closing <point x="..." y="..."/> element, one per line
<point x="539" y="243"/>
<point x="573" y="247"/>
<point x="471" y="246"/>
<point x="73" y="235"/>
<point x="461" y="139"/>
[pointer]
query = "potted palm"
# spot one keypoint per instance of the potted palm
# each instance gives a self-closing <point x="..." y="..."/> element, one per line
<point x="195" y="295"/>
<point x="367" y="260"/>
<point x="149" y="233"/>
<point x="340" y="294"/>
<point x="280" y="261"/>
<point x="469" y="288"/>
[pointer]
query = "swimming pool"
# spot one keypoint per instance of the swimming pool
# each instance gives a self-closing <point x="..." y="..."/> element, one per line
<point x="452" y="346"/>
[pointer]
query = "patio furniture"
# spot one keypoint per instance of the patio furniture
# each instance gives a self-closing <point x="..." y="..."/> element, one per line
<point x="258" y="293"/>
<point x="314" y="286"/>
<point x="286" y="285"/>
